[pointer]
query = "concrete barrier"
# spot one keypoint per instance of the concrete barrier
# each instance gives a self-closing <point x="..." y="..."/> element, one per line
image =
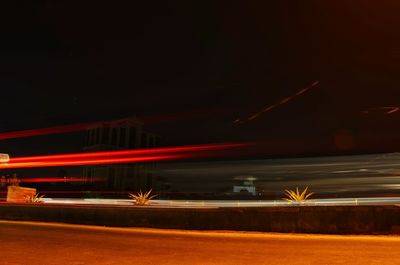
<point x="293" y="219"/>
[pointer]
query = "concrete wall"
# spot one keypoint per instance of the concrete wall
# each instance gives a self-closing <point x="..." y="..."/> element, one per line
<point x="306" y="219"/>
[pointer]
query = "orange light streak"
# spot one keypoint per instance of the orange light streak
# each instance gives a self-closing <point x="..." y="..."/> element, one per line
<point x="84" y="126"/>
<point x="44" y="131"/>
<point x="85" y="162"/>
<point x="136" y="152"/>
<point x="282" y="102"/>
<point x="124" y="156"/>
<point x="57" y="179"/>
<point x="386" y="110"/>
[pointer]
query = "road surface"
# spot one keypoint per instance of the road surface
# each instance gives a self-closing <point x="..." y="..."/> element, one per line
<point x="23" y="243"/>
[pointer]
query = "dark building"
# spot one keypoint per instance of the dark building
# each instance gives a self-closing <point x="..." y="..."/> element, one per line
<point x="120" y="134"/>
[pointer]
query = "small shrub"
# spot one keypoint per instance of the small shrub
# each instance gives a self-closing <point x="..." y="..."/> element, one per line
<point x="297" y="196"/>
<point x="141" y="198"/>
<point x="34" y="198"/>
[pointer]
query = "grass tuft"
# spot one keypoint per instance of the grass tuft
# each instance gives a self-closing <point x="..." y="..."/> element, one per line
<point x="297" y="196"/>
<point x="141" y="198"/>
<point x="34" y="198"/>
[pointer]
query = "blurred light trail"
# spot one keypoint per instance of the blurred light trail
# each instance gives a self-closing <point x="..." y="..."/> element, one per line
<point x="283" y="101"/>
<point x="44" y="131"/>
<point x="83" y="126"/>
<point x="82" y="162"/>
<point x="385" y="110"/>
<point x="134" y="152"/>
<point x="58" y="179"/>
<point x="116" y="157"/>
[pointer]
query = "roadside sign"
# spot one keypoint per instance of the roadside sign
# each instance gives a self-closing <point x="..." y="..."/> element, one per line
<point x="4" y="158"/>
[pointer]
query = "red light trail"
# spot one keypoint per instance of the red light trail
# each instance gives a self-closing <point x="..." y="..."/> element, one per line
<point x="84" y="126"/>
<point x="44" y="131"/>
<point x="56" y="163"/>
<point x="116" y="157"/>
<point x="56" y="179"/>
<point x="135" y="152"/>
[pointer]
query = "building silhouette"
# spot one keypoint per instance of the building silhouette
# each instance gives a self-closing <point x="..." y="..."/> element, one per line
<point x="120" y="134"/>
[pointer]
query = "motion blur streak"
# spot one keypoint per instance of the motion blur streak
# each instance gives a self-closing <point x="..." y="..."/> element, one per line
<point x="56" y="179"/>
<point x="86" y="162"/>
<point x="115" y="157"/>
<point x="83" y="126"/>
<point x="44" y="131"/>
<point x="384" y="110"/>
<point x="108" y="154"/>
<point x="283" y="101"/>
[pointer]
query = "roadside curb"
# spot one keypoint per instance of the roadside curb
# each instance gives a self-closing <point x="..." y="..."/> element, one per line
<point x="292" y="219"/>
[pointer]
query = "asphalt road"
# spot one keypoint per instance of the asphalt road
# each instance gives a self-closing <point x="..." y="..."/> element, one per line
<point x="41" y="244"/>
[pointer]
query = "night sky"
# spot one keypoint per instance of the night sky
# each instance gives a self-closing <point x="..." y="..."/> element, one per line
<point x="205" y="64"/>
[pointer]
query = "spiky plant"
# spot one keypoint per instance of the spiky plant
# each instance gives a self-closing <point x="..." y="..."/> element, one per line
<point x="141" y="198"/>
<point x="34" y="198"/>
<point x="297" y="196"/>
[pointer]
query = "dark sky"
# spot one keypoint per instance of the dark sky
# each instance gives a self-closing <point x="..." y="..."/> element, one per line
<point x="207" y="63"/>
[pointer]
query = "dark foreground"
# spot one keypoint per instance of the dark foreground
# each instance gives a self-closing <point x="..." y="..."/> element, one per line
<point x="350" y="219"/>
<point x="41" y="244"/>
